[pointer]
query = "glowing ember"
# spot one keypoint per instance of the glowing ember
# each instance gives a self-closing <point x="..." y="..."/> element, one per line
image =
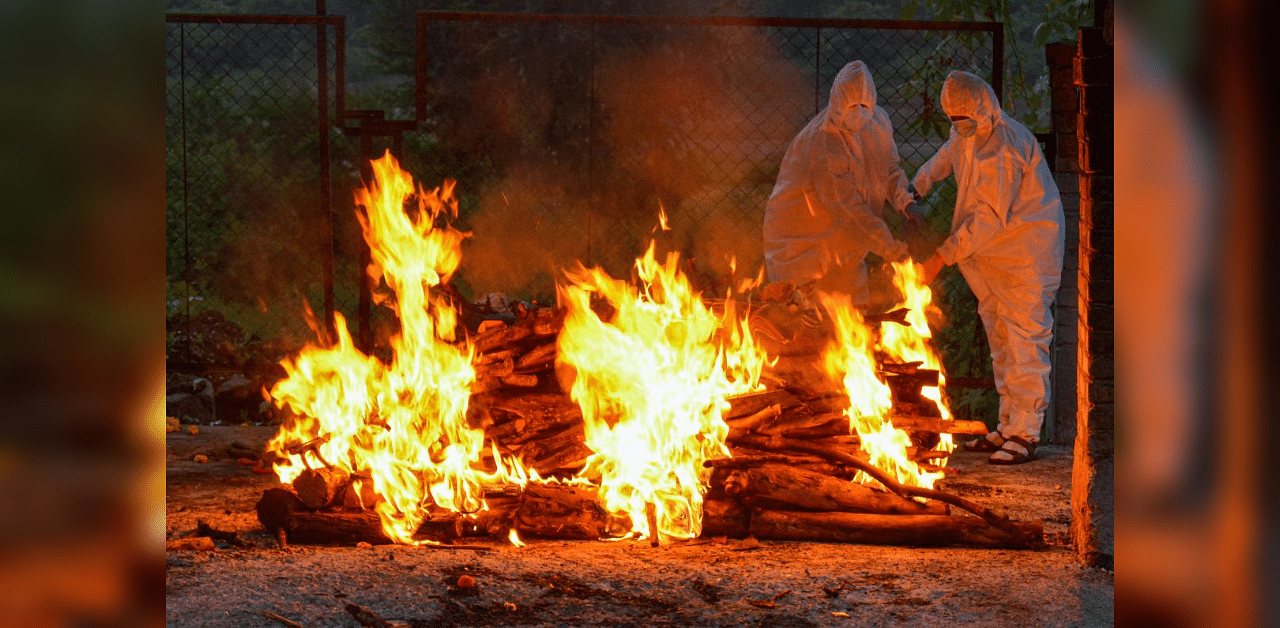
<point x="403" y="422"/>
<point x="651" y="378"/>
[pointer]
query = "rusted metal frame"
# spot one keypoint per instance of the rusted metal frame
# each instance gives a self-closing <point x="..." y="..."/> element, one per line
<point x="227" y="18"/>
<point x="667" y="20"/>
<point x="186" y="200"/>
<point x="326" y="195"/>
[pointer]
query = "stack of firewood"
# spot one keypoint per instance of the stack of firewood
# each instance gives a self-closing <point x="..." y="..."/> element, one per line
<point x="790" y="475"/>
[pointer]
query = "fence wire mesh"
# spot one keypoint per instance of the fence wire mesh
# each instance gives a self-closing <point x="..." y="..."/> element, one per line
<point x="246" y="229"/>
<point x="567" y="138"/>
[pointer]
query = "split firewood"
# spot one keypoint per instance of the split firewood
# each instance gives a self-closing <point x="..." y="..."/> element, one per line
<point x="916" y="379"/>
<point x="751" y="403"/>
<point x="499" y="368"/>
<point x="539" y="357"/>
<point x="360" y="493"/>
<point x="490" y="357"/>
<point x="879" y="529"/>
<point x="799" y="422"/>
<point x="782" y="486"/>
<point x="318" y="488"/>
<point x="831" y="402"/>
<point x="281" y="510"/>
<point x="753" y="421"/>
<point x="843" y="457"/>
<point x="898" y="316"/>
<point x="938" y="425"/>
<point x="570" y="458"/>
<point x="901" y="368"/>
<point x="522" y="380"/>
<point x="484" y="385"/>
<point x="565" y="512"/>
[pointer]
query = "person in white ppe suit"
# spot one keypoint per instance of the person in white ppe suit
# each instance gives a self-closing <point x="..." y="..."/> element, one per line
<point x="837" y="175"/>
<point x="1007" y="238"/>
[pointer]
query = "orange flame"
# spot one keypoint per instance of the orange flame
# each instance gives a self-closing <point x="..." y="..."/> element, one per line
<point x="652" y="380"/>
<point x="402" y="422"/>
<point x="851" y="358"/>
<point x="911" y="343"/>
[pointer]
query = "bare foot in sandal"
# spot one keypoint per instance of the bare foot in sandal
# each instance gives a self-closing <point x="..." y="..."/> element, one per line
<point x="1015" y="450"/>
<point x="991" y="442"/>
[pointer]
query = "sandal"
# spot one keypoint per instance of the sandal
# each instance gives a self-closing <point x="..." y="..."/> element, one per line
<point x="1010" y="453"/>
<point x="991" y="442"/>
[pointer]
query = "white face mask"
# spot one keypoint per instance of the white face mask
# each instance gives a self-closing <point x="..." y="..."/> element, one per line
<point x="965" y="128"/>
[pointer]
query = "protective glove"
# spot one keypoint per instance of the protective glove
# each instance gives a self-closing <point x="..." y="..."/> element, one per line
<point x="914" y="215"/>
<point x="932" y="267"/>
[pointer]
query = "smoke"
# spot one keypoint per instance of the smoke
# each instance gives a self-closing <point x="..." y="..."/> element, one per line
<point x="691" y="125"/>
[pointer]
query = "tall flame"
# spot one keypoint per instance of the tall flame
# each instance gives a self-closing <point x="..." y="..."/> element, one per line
<point x="851" y="358"/>
<point x="402" y="422"/>
<point x="911" y="343"/>
<point x="651" y="380"/>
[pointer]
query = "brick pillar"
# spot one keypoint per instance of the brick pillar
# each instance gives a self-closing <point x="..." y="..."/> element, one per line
<point x="1064" y="108"/>
<point x="1093" y="474"/>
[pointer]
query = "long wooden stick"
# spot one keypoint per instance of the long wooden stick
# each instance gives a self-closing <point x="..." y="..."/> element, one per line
<point x="778" y="443"/>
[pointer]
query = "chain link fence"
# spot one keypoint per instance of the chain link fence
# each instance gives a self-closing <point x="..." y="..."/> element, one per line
<point x="248" y="231"/>
<point x="569" y="136"/>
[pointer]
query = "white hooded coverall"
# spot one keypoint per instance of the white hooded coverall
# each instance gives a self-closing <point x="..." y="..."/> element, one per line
<point x="824" y="214"/>
<point x="1007" y="238"/>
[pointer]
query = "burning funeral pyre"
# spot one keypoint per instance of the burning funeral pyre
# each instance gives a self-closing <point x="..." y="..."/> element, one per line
<point x="633" y="409"/>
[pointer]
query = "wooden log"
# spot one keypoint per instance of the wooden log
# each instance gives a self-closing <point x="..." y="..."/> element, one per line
<point x="359" y="494"/>
<point x="318" y="488"/>
<point x="499" y="368"/>
<point x="898" y="316"/>
<point x="281" y="510"/>
<point x="564" y="512"/>
<point x="830" y="402"/>
<point x="482" y="359"/>
<point x="725" y="517"/>
<point x="539" y="357"/>
<point x="921" y="377"/>
<point x="775" y="443"/>
<point x="938" y="425"/>
<point x="501" y="337"/>
<point x="753" y="421"/>
<point x="909" y="530"/>
<point x="799" y="422"/>
<point x="751" y="403"/>
<point x="804" y="376"/>
<point x="523" y="380"/>
<point x="530" y="414"/>
<point x="570" y="458"/>
<point x="775" y="485"/>
<point x="902" y="368"/>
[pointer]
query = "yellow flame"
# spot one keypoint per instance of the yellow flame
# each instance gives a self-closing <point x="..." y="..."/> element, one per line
<point x="402" y="422"/>
<point x="912" y="343"/>
<point x="851" y="359"/>
<point x="651" y="380"/>
<point x="515" y="538"/>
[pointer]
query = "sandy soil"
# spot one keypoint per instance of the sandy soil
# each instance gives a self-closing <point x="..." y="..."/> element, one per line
<point x="624" y="583"/>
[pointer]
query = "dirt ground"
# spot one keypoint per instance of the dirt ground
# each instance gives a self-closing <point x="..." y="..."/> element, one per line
<point x="624" y="583"/>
